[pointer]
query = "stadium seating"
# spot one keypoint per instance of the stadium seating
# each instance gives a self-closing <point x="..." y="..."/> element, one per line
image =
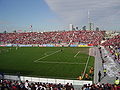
<point x="88" y="37"/>
<point x="113" y="46"/>
<point x="101" y="87"/>
<point x="19" y="85"/>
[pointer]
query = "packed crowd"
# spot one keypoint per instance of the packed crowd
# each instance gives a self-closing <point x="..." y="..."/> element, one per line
<point x="115" y="41"/>
<point x="19" y="85"/>
<point x="113" y="46"/>
<point x="92" y="37"/>
<point x="101" y="87"/>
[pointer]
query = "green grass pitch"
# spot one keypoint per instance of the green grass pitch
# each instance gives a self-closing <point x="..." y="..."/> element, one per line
<point x="49" y="62"/>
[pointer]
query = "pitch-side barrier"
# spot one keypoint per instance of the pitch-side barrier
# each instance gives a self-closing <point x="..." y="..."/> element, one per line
<point x="47" y="80"/>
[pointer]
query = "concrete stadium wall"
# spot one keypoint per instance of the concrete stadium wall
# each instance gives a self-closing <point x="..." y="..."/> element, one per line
<point x="47" y="80"/>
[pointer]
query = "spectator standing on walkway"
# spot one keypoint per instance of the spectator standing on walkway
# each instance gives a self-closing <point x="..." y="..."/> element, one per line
<point x="105" y="72"/>
<point x="99" y="76"/>
<point x="117" y="81"/>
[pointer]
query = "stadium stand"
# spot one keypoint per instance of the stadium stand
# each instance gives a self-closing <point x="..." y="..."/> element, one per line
<point x="88" y="37"/>
<point x="113" y="46"/>
<point x="101" y="87"/>
<point x="19" y="85"/>
<point x="94" y="37"/>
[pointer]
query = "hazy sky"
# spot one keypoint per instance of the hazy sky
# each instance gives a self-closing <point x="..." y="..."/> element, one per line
<point x="45" y="15"/>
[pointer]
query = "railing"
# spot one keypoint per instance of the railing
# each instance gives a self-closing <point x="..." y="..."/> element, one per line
<point x="47" y="80"/>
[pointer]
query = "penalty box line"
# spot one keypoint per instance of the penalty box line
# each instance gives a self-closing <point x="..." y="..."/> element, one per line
<point x="77" y="53"/>
<point x="47" y="55"/>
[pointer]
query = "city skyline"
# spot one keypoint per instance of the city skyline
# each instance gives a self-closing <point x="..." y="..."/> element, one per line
<point x="50" y="15"/>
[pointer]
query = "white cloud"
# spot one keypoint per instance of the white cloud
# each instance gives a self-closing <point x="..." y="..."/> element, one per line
<point x="103" y="12"/>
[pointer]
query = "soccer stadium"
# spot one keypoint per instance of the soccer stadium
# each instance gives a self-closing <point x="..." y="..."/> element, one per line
<point x="69" y="59"/>
<point x="72" y="58"/>
<point x="69" y="55"/>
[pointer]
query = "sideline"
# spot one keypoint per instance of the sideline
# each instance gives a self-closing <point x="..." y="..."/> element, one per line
<point x="86" y="66"/>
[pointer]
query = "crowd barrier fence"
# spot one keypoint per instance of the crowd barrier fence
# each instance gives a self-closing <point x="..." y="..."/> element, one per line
<point x="47" y="80"/>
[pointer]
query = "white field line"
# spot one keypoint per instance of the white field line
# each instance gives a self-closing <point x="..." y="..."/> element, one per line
<point x="47" y="56"/>
<point x="58" y="62"/>
<point x="86" y="66"/>
<point x="46" y="53"/>
<point x="77" y="53"/>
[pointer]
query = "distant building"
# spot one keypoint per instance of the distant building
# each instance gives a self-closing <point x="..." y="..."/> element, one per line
<point x="84" y="28"/>
<point x="76" y="28"/>
<point x="71" y="27"/>
<point x="97" y="28"/>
